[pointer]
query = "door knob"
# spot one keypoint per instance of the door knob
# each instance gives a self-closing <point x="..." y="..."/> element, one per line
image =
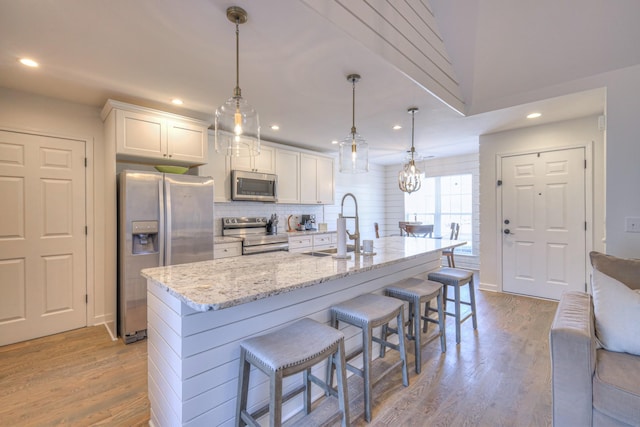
<point x="507" y="231"/>
<point x="506" y="221"/>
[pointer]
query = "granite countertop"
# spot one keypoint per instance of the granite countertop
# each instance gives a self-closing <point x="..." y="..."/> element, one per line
<point x="227" y="282"/>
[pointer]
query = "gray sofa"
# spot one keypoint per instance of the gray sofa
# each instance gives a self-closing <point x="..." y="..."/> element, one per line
<point x="592" y="386"/>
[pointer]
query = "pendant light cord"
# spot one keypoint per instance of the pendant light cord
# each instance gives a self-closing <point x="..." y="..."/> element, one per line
<point x="237" y="92"/>
<point x="413" y="118"/>
<point x="353" y="107"/>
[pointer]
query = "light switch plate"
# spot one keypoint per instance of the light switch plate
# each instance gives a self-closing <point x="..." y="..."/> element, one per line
<point x="632" y="224"/>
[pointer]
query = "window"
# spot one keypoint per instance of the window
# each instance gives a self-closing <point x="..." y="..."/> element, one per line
<point x="440" y="201"/>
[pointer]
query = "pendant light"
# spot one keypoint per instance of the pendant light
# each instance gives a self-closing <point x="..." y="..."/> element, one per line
<point x="410" y="177"/>
<point x="236" y="123"/>
<point x="354" y="150"/>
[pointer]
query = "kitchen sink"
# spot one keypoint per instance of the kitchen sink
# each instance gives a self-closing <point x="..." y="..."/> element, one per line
<point x="328" y="252"/>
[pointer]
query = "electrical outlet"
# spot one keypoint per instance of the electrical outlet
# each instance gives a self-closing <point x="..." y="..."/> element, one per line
<point x="632" y="224"/>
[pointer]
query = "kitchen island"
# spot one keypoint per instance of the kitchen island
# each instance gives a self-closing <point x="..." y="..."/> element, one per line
<point x="199" y="313"/>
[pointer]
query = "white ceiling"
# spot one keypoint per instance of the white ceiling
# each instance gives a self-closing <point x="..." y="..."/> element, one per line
<point x="509" y="57"/>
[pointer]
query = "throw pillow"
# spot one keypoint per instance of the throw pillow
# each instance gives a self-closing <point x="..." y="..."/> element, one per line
<point x="617" y="312"/>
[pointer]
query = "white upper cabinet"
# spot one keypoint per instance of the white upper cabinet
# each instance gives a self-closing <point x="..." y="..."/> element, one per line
<point x="144" y="134"/>
<point x="218" y="167"/>
<point x="288" y="171"/>
<point x="265" y="162"/>
<point x="316" y="179"/>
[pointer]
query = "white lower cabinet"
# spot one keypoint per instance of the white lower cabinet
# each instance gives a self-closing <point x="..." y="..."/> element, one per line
<point x="227" y="250"/>
<point x="312" y="242"/>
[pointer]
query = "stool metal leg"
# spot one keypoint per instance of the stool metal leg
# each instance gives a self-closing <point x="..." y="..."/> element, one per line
<point x="458" y="315"/>
<point x="366" y="359"/>
<point x="417" y="334"/>
<point x="472" y="300"/>
<point x="341" y="368"/>
<point x="403" y="350"/>
<point x="275" y="400"/>
<point x="243" y="388"/>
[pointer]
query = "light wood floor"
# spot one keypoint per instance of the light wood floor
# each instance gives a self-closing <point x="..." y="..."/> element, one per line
<point x="498" y="376"/>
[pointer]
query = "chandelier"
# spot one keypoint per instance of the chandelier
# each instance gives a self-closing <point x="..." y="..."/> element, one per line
<point x="237" y="128"/>
<point x="410" y="177"/>
<point x="354" y="150"/>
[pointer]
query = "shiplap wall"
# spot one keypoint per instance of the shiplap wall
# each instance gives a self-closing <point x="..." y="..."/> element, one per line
<point x="394" y="209"/>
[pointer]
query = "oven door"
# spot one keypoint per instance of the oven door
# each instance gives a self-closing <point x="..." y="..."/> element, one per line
<point x="270" y="247"/>
<point x="253" y="186"/>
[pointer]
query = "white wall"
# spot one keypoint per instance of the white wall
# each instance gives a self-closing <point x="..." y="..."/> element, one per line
<point x="36" y="114"/>
<point x="572" y="133"/>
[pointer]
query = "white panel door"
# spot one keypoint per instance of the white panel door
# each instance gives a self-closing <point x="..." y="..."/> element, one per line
<point x="543" y="223"/>
<point x="42" y="236"/>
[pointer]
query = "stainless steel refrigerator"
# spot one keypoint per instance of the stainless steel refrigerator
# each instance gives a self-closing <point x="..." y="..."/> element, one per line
<point x="163" y="219"/>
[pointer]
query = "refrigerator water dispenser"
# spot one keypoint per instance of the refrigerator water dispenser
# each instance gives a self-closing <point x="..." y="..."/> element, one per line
<point x="145" y="237"/>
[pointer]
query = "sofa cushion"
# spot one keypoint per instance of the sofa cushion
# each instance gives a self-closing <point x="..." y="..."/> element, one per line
<point x="617" y="313"/>
<point x="624" y="270"/>
<point x="616" y="386"/>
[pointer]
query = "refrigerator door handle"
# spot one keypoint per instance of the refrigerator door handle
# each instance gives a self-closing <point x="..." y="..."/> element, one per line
<point x="169" y="224"/>
<point x="161" y="227"/>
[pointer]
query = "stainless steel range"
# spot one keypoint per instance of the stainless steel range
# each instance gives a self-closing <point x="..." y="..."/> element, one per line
<point x="253" y="232"/>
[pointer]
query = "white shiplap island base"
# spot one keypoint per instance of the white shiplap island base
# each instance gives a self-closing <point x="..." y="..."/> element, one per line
<point x="199" y="313"/>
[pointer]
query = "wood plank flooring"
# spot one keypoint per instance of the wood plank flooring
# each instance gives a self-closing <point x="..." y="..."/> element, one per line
<point x="498" y="376"/>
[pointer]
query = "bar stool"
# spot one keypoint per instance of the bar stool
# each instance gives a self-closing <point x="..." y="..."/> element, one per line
<point x="417" y="291"/>
<point x="366" y="312"/>
<point x="457" y="278"/>
<point x="287" y="351"/>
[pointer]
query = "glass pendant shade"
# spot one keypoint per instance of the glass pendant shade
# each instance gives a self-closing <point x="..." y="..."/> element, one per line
<point x="354" y="150"/>
<point x="354" y="154"/>
<point x="410" y="177"/>
<point x="237" y="127"/>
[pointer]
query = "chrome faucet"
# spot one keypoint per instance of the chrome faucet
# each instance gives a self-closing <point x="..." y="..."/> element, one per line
<point x="355" y="236"/>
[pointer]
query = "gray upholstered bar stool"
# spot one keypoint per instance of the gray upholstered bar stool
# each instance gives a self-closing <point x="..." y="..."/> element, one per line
<point x="287" y="351"/>
<point x="457" y="278"/>
<point x="367" y="312"/>
<point x="417" y="291"/>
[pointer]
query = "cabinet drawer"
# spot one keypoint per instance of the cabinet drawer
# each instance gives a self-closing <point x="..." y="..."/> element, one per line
<point x="321" y="239"/>
<point x="298" y="242"/>
<point x="226" y="250"/>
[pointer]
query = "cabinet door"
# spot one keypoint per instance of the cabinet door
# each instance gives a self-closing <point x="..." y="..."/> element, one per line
<point x="316" y="179"/>
<point x="217" y="167"/>
<point x="308" y="178"/>
<point x="325" y="181"/>
<point x="288" y="171"/>
<point x="187" y="142"/>
<point x="264" y="162"/>
<point x="140" y="135"/>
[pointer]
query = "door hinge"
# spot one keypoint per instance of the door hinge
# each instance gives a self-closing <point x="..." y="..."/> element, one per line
<point x="585" y="226"/>
<point x="585" y="163"/>
<point x="86" y="161"/>
<point x="585" y="287"/>
<point x="499" y="182"/>
<point x="86" y="230"/>
<point x="86" y="298"/>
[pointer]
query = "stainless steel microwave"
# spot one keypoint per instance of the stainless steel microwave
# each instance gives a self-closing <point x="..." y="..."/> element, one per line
<point x="254" y="186"/>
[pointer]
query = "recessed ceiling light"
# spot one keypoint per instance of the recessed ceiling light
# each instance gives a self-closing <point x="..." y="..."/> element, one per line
<point x="396" y="127"/>
<point x="29" y="62"/>
<point x="334" y="141"/>
<point x="177" y="101"/>
<point x="275" y="127"/>
<point x="533" y="115"/>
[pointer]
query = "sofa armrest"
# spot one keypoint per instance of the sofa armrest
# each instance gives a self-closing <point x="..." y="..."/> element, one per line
<point x="573" y="354"/>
